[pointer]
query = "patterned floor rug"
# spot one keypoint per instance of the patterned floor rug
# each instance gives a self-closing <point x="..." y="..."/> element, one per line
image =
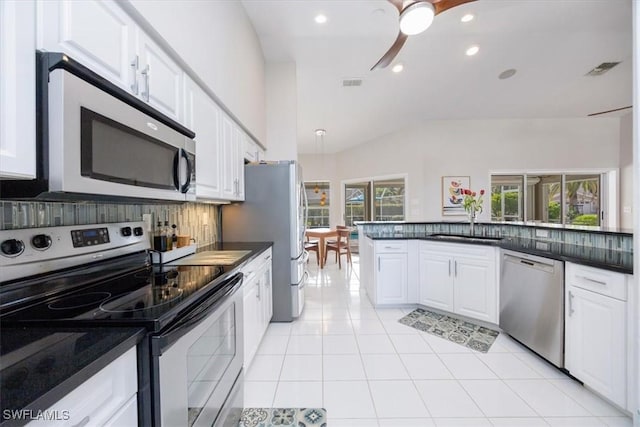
<point x="461" y="332"/>
<point x="272" y="417"/>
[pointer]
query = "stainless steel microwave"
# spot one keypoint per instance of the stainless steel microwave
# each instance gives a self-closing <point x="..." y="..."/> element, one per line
<point x="96" y="140"/>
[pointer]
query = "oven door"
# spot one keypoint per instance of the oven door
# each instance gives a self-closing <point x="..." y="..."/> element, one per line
<point x="101" y="145"/>
<point x="198" y="363"/>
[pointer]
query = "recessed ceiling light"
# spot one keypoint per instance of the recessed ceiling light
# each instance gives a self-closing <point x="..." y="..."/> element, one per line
<point x="468" y="17"/>
<point x="472" y="50"/>
<point x="507" y="73"/>
<point x="320" y="18"/>
<point x="397" y="68"/>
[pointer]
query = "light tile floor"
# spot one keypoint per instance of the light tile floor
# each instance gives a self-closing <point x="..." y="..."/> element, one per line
<point x="369" y="370"/>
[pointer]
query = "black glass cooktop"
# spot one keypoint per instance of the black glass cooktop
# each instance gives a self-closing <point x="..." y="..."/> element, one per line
<point x="150" y="296"/>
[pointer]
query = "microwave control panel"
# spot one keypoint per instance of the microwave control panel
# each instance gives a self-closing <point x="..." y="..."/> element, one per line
<point x="89" y="237"/>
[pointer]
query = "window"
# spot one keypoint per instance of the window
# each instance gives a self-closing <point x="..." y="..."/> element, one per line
<point x="318" y="196"/>
<point x="374" y="200"/>
<point x="550" y="198"/>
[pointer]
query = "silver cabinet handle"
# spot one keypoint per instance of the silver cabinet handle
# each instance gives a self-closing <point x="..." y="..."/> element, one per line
<point x="83" y="422"/>
<point x="378" y="263"/>
<point x="449" y="268"/>
<point x="145" y="73"/>
<point x="571" y="310"/>
<point x="134" y="66"/>
<point x="588" y="279"/>
<point x="258" y="286"/>
<point x="455" y="268"/>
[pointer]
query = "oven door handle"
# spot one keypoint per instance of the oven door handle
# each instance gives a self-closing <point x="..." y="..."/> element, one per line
<point x="204" y="308"/>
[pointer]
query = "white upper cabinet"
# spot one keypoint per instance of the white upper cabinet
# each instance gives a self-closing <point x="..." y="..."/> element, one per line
<point x="96" y="33"/>
<point x="159" y="77"/>
<point x="17" y="89"/>
<point x="232" y="161"/>
<point x="203" y="116"/>
<point x="101" y="36"/>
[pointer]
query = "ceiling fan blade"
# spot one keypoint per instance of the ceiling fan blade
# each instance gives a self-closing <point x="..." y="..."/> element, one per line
<point x="397" y="4"/>
<point x="392" y="52"/>
<point x="615" y="110"/>
<point x="443" y="5"/>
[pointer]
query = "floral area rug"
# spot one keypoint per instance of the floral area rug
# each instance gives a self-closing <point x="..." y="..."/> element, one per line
<point x="461" y="332"/>
<point x="271" y="417"/>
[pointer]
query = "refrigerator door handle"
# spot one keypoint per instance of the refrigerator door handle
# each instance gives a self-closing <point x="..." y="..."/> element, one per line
<point x="300" y="256"/>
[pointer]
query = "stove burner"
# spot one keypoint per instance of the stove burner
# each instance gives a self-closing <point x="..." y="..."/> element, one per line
<point x="141" y="299"/>
<point x="76" y="301"/>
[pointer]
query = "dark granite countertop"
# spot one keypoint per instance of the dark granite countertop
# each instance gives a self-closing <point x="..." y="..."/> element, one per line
<point x="39" y="366"/>
<point x="614" y="260"/>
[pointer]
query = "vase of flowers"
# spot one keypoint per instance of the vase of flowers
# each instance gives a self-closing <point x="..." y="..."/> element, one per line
<point x="472" y="204"/>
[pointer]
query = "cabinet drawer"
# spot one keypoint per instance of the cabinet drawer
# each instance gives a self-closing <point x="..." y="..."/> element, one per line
<point x="391" y="246"/>
<point x="603" y="282"/>
<point x="98" y="399"/>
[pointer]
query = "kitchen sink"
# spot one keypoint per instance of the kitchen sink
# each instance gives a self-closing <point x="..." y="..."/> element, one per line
<point x="463" y="238"/>
<point x="212" y="258"/>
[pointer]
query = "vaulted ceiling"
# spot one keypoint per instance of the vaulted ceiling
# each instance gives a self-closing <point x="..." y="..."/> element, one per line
<point x="551" y="43"/>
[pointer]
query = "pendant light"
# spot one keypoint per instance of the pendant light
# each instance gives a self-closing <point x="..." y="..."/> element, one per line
<point x="320" y="133"/>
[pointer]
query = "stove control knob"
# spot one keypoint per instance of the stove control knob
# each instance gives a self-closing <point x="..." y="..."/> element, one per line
<point x="12" y="247"/>
<point x="138" y="231"/>
<point x="125" y="231"/>
<point x="41" y="242"/>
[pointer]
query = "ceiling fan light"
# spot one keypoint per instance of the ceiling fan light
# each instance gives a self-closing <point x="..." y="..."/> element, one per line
<point x="416" y="18"/>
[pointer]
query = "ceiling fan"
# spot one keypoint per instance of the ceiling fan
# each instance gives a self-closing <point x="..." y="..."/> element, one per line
<point x="415" y="17"/>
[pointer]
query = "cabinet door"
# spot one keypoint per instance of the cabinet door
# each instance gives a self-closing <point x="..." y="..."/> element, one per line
<point x="475" y="289"/>
<point x="251" y="320"/>
<point x="391" y="278"/>
<point x="17" y="89"/>
<point x="436" y="280"/>
<point x="160" y="78"/>
<point x="203" y="117"/>
<point x="239" y="137"/>
<point x="96" y="33"/>
<point x="267" y="295"/>
<point x="595" y="344"/>
<point x="228" y="164"/>
<point x="367" y="276"/>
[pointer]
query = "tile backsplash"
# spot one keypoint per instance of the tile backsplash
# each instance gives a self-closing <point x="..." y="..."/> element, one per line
<point x="199" y="220"/>
<point x="583" y="238"/>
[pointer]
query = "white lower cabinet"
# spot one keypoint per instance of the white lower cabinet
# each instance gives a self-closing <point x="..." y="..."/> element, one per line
<point x="459" y="278"/>
<point x="385" y="267"/>
<point x="108" y="398"/>
<point x="257" y="303"/>
<point x="596" y="330"/>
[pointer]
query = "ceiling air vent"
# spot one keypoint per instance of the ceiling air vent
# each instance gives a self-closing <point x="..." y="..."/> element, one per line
<point x="602" y="68"/>
<point x="351" y="82"/>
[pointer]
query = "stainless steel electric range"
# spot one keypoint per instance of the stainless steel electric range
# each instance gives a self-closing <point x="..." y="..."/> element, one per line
<point x="99" y="276"/>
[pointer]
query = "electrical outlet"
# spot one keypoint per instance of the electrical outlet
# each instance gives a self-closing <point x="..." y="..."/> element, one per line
<point x="205" y="218"/>
<point x="397" y="228"/>
<point x="542" y="233"/>
<point x="626" y="209"/>
<point x="148" y="223"/>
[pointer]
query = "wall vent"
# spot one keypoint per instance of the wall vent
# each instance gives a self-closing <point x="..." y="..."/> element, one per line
<point x="351" y="82"/>
<point x="602" y="68"/>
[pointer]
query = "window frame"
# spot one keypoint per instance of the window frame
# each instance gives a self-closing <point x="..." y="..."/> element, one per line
<point x="370" y="180"/>
<point x="609" y="193"/>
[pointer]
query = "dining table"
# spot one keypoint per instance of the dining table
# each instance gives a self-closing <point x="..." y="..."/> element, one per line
<point x="321" y="234"/>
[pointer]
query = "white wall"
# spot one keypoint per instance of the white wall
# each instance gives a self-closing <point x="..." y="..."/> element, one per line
<point x="474" y="148"/>
<point x="282" y="105"/>
<point x="219" y="43"/>
<point x="626" y="171"/>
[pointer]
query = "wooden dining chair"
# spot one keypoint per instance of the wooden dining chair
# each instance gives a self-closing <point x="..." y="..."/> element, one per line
<point x="340" y="246"/>
<point x="338" y="227"/>
<point x="313" y="246"/>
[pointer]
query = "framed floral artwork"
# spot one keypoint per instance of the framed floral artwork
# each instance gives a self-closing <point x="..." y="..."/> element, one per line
<point x="452" y="195"/>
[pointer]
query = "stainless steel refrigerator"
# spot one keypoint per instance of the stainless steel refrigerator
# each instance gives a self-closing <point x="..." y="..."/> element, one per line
<point x="274" y="210"/>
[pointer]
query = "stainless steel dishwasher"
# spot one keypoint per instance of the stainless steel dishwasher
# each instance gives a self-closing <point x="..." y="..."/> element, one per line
<point x="532" y="303"/>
